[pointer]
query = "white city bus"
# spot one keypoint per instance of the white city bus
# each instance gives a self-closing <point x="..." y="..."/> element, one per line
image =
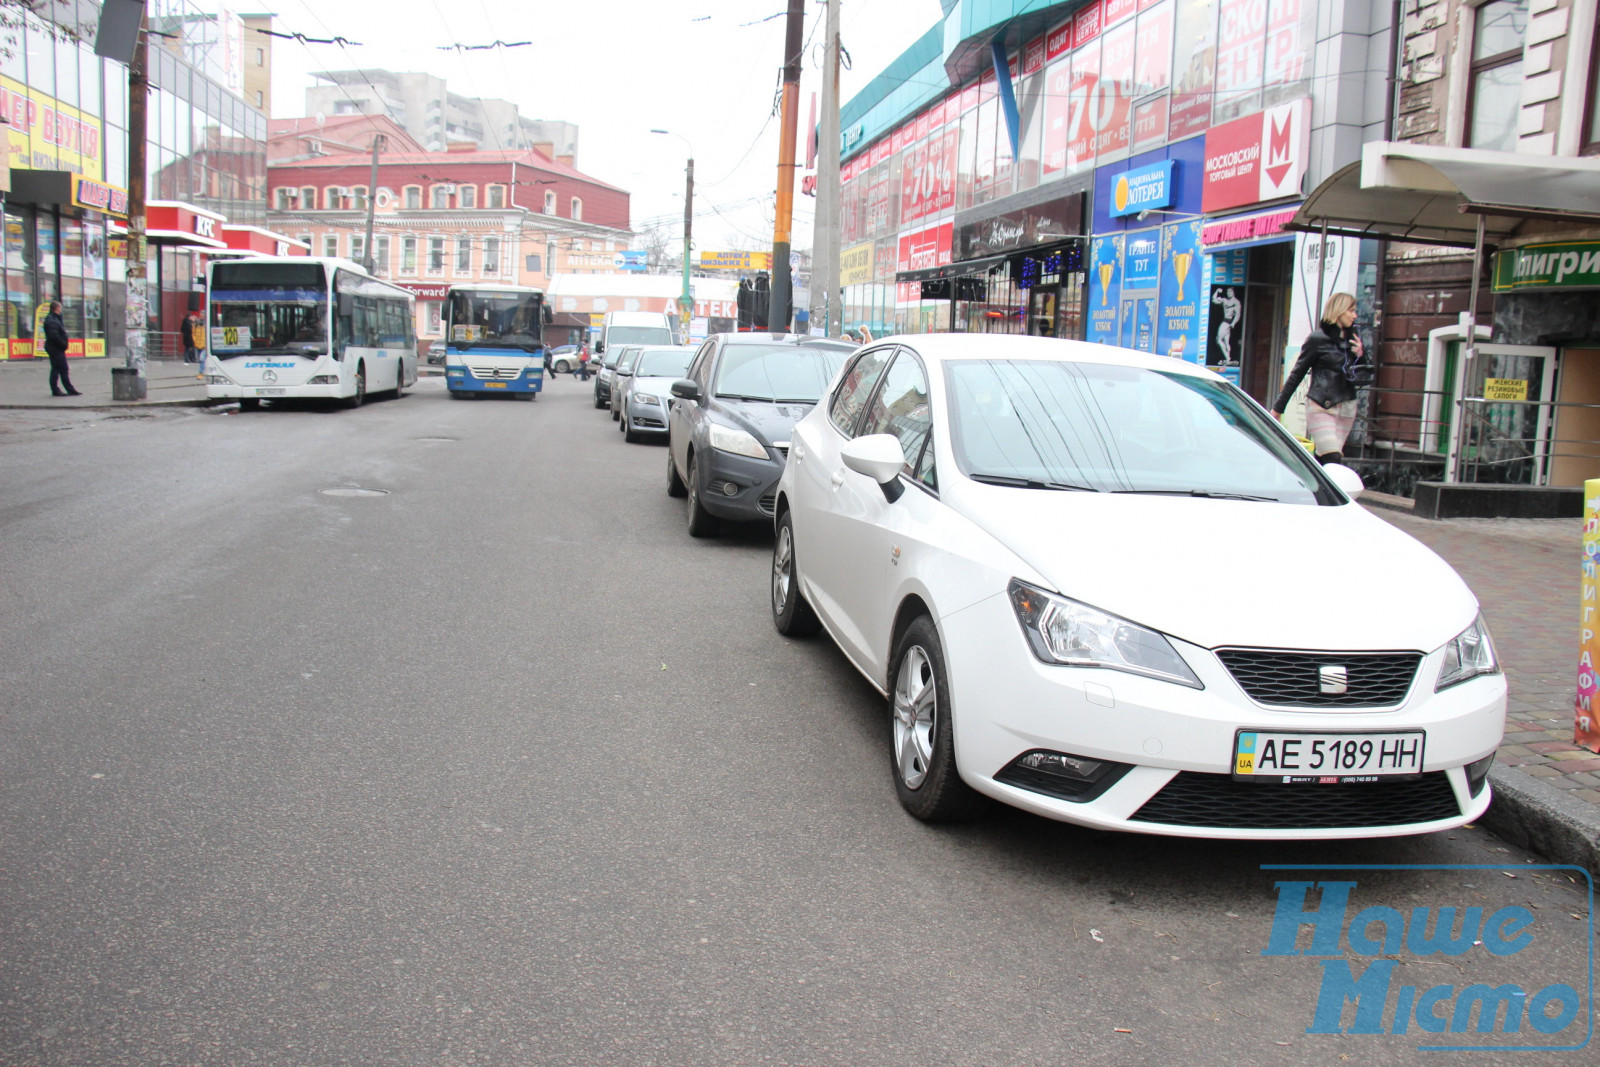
<point x="494" y="340"/>
<point x="305" y="328"/>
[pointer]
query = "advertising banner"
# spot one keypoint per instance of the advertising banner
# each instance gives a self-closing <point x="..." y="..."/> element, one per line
<point x="1141" y="260"/>
<point x="1259" y="157"/>
<point x="926" y="248"/>
<point x="1178" y="321"/>
<point x="1193" y="66"/>
<point x="1152" y="70"/>
<point x="1585" y="730"/>
<point x="1150" y="122"/>
<point x="736" y="260"/>
<point x="1142" y="189"/>
<point x="1057" y="116"/>
<point x="1563" y="265"/>
<point x="1105" y="288"/>
<point x="855" y="264"/>
<point x="1111" y="105"/>
<point x="44" y="134"/>
<point x="1058" y="42"/>
<point x="1341" y="266"/>
<point x="928" y="180"/>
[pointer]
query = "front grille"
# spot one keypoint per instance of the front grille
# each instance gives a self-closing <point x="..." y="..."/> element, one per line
<point x="1296" y="679"/>
<point x="782" y="448"/>
<point x="491" y="374"/>
<point x="645" y="421"/>
<point x="768" y="503"/>
<point x="1218" y="801"/>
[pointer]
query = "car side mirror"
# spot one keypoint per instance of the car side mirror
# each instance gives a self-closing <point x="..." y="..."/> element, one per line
<point x="1348" y="481"/>
<point x="547" y="316"/>
<point x="599" y="347"/>
<point x="879" y="457"/>
<point x="686" y="389"/>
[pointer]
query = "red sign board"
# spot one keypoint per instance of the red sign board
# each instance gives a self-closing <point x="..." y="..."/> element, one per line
<point x="926" y="248"/>
<point x="1245" y="228"/>
<point x="1150" y="123"/>
<point x="1117" y="10"/>
<point x="1058" y="41"/>
<point x="1086" y="25"/>
<point x="1259" y="157"/>
<point x="1033" y="55"/>
<point x="928" y="180"/>
<point x="920" y="130"/>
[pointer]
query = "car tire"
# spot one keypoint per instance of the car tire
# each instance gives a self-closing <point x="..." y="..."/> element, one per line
<point x="361" y="388"/>
<point x="598" y="403"/>
<point x="922" y="753"/>
<point x="791" y="611"/>
<point x="562" y="366"/>
<point x="627" y="432"/>
<point x="459" y="394"/>
<point x="701" y="522"/>
<point x="675" y="486"/>
<point x="249" y="403"/>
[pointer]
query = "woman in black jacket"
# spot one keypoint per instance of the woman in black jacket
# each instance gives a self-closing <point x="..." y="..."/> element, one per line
<point x="1333" y="356"/>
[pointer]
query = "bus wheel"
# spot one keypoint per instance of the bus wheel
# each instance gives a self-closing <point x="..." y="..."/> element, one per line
<point x="400" y="382"/>
<point x="361" y="388"/>
<point x="249" y="403"/>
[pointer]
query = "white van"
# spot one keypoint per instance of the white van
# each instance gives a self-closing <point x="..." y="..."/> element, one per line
<point x="637" y="328"/>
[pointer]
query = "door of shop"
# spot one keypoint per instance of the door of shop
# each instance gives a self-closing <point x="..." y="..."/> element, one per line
<point x="1506" y="414"/>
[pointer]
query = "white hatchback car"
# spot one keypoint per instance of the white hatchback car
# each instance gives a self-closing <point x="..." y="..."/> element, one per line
<point x="1106" y="587"/>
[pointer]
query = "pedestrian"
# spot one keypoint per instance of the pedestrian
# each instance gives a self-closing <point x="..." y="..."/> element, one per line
<point x="55" y="345"/>
<point x="1338" y="365"/>
<point x="549" y="364"/>
<point x="192" y="337"/>
<point x="866" y="335"/>
<point x="582" y="371"/>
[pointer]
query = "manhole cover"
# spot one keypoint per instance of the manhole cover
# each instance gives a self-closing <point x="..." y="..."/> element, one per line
<point x="352" y="490"/>
<point x="436" y="440"/>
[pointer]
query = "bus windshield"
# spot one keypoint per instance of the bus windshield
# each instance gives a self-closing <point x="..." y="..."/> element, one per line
<point x="261" y="309"/>
<point x="485" y="319"/>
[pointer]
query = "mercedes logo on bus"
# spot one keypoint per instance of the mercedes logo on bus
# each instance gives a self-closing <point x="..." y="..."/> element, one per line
<point x="269" y="376"/>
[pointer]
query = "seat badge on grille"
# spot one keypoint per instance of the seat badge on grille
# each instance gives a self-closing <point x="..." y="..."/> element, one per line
<point x="1334" y="679"/>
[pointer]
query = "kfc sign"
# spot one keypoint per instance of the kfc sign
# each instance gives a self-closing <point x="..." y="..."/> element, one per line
<point x="1256" y="158"/>
<point x="205" y="226"/>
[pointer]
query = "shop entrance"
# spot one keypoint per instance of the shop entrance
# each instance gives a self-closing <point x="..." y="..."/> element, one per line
<point x="1249" y="316"/>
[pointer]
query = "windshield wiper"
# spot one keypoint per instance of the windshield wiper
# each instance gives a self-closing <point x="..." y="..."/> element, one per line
<point x="1196" y="492"/>
<point x="736" y="396"/>
<point x="1029" y="483"/>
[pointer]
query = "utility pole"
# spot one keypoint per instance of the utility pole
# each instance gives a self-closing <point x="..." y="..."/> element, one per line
<point x="686" y="301"/>
<point x="136" y="319"/>
<point x="368" y="261"/>
<point x="825" y="232"/>
<point x="781" y="308"/>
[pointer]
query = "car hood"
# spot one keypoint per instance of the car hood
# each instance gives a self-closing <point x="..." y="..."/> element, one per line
<point x="1230" y="572"/>
<point x="655" y="385"/>
<point x="769" y="422"/>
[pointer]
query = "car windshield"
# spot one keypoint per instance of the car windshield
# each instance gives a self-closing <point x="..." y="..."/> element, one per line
<point x="638" y="335"/>
<point x="1114" y="429"/>
<point x="663" y="363"/>
<point x="786" y="373"/>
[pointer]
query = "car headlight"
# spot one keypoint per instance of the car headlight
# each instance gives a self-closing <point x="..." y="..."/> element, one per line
<point x="645" y="398"/>
<point x="1467" y="655"/>
<point x="218" y="379"/>
<point x="1067" y="632"/>
<point x="730" y="439"/>
<point x="323" y="379"/>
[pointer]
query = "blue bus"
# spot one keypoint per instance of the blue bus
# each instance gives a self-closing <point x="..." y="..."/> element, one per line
<point x="494" y="340"/>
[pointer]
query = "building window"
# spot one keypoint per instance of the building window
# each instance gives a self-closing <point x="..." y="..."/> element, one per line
<point x="380" y="256"/>
<point x="305" y="239"/>
<point x="413" y="197"/>
<point x="281" y="197"/>
<point x="549" y="202"/>
<point x="1495" y="94"/>
<point x="491" y="255"/>
<point x="408" y="255"/>
<point x="358" y="248"/>
<point x="333" y="198"/>
<point x="549" y="258"/>
<point x="261" y="57"/>
<point x="441" y="197"/>
<point x="1591" y="129"/>
<point x="360" y="194"/>
<point x="577" y="208"/>
<point x="435" y="316"/>
<point x="435" y="255"/>
<point x="330" y="245"/>
<point x="463" y="255"/>
<point x="497" y="196"/>
<point x="468" y="195"/>
<point x="260" y="102"/>
<point x="308" y="198"/>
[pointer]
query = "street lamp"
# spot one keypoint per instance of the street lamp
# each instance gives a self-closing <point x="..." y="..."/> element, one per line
<point x="686" y="300"/>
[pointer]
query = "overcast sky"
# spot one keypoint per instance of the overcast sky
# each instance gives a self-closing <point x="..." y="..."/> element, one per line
<point x="706" y="69"/>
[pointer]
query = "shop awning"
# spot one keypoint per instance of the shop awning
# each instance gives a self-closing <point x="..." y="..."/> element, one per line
<point x="952" y="270"/>
<point x="1434" y="195"/>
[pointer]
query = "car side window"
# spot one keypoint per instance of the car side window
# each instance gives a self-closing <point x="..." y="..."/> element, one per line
<point x="702" y="358"/>
<point x="855" y="386"/>
<point x="926" y="473"/>
<point x="900" y="407"/>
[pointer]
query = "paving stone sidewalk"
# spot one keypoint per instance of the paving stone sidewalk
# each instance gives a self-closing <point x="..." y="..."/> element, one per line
<point x="25" y="383"/>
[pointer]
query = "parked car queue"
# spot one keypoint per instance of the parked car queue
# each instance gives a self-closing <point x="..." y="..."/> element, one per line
<point x="1072" y="571"/>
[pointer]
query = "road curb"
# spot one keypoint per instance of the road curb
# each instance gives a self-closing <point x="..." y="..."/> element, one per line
<point x="120" y="405"/>
<point x="1538" y="816"/>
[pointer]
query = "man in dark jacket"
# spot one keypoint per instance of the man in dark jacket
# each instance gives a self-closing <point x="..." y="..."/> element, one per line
<point x="55" y="345"/>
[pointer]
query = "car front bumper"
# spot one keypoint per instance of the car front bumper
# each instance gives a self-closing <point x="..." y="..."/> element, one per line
<point x="646" y="418"/>
<point x="755" y="484"/>
<point x="1177" y="743"/>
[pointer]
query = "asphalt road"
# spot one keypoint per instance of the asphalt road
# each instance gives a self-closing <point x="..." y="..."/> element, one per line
<point x="502" y="767"/>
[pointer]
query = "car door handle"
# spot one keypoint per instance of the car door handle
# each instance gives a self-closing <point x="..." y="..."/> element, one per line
<point x="799" y="453"/>
<point x="838" y="478"/>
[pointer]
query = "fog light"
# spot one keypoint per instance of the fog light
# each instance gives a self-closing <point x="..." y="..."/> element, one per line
<point x="1062" y="775"/>
<point x="1478" y="773"/>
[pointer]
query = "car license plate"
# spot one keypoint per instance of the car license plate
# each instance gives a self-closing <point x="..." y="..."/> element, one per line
<point x="494" y="385"/>
<point x="1293" y="758"/>
<point x="271" y="392"/>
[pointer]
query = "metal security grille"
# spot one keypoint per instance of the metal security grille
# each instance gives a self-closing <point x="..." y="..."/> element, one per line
<point x="1218" y="801"/>
<point x="1298" y="679"/>
<point x="490" y="374"/>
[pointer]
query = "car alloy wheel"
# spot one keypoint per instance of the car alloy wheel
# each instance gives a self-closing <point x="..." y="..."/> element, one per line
<point x="701" y="522"/>
<point x="922" y="741"/>
<point x="675" y="486"/>
<point x="791" y="612"/>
